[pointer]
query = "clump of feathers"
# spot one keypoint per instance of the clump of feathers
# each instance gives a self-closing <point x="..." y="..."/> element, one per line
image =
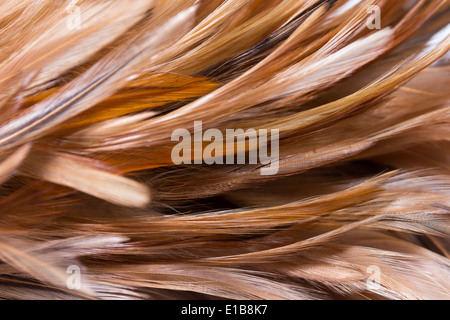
<point x="87" y="113"/>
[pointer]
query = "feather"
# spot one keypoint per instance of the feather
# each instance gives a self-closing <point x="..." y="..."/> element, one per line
<point x="88" y="112"/>
<point x="13" y="162"/>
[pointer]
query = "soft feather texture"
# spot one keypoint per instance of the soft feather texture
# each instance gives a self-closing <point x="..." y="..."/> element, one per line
<point x="86" y="117"/>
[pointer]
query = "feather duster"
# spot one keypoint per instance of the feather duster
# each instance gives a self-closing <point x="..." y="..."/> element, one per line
<point x="93" y="205"/>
